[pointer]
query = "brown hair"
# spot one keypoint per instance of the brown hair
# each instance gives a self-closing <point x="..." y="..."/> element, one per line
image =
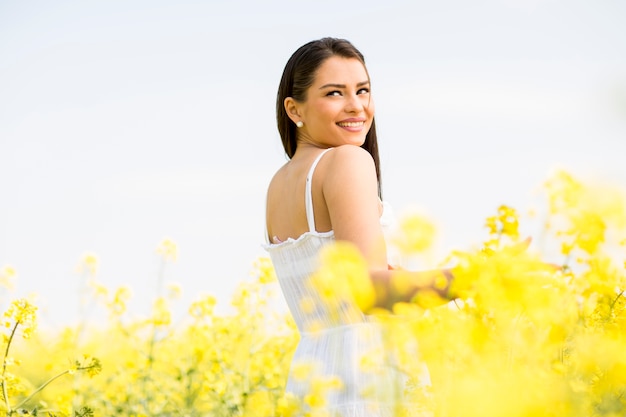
<point x="298" y="76"/>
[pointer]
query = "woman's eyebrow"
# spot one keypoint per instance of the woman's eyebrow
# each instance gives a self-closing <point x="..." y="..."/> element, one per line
<point x="362" y="83"/>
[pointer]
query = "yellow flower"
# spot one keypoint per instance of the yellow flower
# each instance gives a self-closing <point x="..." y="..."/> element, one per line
<point x="308" y="305"/>
<point x="582" y="214"/>
<point x="168" y="250"/>
<point x="100" y="291"/>
<point x="564" y="192"/>
<point x="302" y="370"/>
<point x="174" y="291"/>
<point x="416" y="234"/>
<point x="288" y="405"/>
<point x="315" y="400"/>
<point x="319" y="387"/>
<point x="7" y="274"/>
<point x="161" y="315"/>
<point x="588" y="230"/>
<point x="344" y="275"/>
<point x="518" y="326"/>
<point x="117" y="306"/>
<point x="259" y="404"/>
<point x="504" y="223"/>
<point x="203" y="307"/>
<point x="22" y="313"/>
<point x="89" y="264"/>
<point x="264" y="270"/>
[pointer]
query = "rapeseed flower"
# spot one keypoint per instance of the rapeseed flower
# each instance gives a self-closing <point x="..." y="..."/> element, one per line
<point x="416" y="233"/>
<point x="168" y="250"/>
<point x="344" y="275"/>
<point x="89" y="264"/>
<point x="263" y="270"/>
<point x="7" y="275"/>
<point x="522" y="337"/>
<point x="23" y="314"/>
<point x="203" y="307"/>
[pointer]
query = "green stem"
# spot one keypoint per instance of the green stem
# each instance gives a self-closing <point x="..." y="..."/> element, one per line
<point x="616" y="298"/>
<point x="42" y="386"/>
<point x="153" y="336"/>
<point x="48" y="382"/>
<point x="566" y="261"/>
<point x="5" y="391"/>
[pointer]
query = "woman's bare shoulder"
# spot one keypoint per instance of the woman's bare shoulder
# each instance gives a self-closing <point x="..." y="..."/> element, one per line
<point x="349" y="157"/>
<point x="349" y="166"/>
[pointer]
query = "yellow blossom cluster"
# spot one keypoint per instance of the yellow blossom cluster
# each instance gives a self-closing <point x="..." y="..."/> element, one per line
<point x="522" y="335"/>
<point x="23" y="315"/>
<point x="344" y="277"/>
<point x="229" y="364"/>
<point x="526" y="337"/>
<point x="168" y="249"/>
<point x="7" y="274"/>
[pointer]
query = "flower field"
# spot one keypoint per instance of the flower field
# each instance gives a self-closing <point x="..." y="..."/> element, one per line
<point x="530" y="332"/>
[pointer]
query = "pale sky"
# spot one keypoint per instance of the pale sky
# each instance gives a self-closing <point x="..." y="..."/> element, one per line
<point x="125" y="122"/>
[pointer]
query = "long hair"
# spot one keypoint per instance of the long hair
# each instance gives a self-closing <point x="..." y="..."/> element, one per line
<point x="298" y="76"/>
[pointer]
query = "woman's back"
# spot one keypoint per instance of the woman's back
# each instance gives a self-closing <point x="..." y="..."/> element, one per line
<point x="286" y="211"/>
<point x="337" y="340"/>
<point x="344" y="199"/>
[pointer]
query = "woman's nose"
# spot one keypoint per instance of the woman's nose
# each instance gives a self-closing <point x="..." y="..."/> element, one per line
<point x="353" y="103"/>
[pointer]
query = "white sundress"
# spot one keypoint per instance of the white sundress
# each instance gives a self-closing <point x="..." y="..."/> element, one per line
<point x="348" y="346"/>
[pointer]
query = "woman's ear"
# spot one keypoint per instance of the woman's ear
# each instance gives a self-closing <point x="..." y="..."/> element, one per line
<point x="291" y="107"/>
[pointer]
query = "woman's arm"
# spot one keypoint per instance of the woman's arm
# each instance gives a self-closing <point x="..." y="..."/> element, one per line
<point x="350" y="189"/>
<point x="394" y="286"/>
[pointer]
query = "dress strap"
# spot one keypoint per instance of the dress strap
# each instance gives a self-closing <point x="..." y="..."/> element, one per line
<point x="308" y="196"/>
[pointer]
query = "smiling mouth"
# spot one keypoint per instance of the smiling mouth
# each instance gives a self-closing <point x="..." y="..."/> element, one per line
<point x="351" y="124"/>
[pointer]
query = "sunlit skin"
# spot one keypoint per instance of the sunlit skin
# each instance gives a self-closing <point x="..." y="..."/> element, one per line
<point x="338" y="109"/>
<point x="337" y="112"/>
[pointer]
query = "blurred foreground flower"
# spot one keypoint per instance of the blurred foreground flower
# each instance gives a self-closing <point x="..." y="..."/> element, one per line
<point x="264" y="270"/>
<point x="168" y="250"/>
<point x="21" y="314"/>
<point x="88" y="264"/>
<point x="582" y="217"/>
<point x="344" y="276"/>
<point x="416" y="233"/>
<point x="7" y="275"/>
<point x="524" y="338"/>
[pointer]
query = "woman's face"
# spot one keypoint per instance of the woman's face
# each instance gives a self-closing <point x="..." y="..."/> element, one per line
<point x="338" y="108"/>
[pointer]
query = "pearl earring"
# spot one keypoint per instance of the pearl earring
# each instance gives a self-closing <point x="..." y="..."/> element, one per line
<point x="299" y="123"/>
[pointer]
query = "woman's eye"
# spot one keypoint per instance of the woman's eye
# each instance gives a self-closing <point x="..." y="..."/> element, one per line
<point x="363" y="91"/>
<point x="334" y="93"/>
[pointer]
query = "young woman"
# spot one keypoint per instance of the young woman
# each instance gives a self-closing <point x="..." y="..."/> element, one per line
<point x="330" y="190"/>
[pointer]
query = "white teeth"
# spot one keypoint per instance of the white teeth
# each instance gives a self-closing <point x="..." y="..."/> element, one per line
<point x="351" y="124"/>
